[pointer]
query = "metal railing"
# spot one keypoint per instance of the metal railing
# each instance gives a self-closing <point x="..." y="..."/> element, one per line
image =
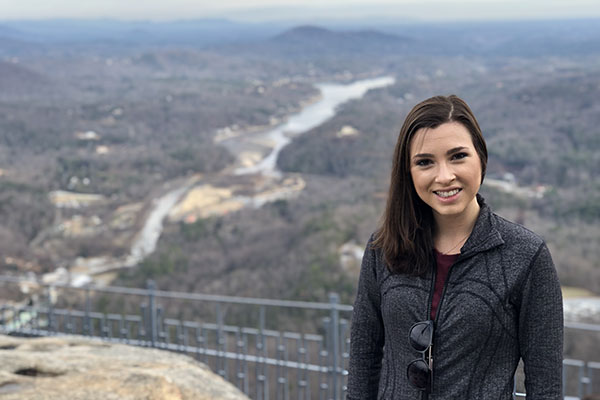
<point x="244" y="340"/>
<point x="248" y="349"/>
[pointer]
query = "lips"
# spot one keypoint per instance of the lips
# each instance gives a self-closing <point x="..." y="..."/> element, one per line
<point x="447" y="193"/>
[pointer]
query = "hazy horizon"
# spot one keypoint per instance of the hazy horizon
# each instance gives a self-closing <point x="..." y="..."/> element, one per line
<point x="302" y="12"/>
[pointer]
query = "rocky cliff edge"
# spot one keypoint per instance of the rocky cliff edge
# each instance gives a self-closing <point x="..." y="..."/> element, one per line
<point x="74" y="368"/>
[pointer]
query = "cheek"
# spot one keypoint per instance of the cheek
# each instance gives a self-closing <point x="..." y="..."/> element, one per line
<point x="478" y="167"/>
<point x="414" y="178"/>
<point x="473" y="174"/>
<point x="419" y="180"/>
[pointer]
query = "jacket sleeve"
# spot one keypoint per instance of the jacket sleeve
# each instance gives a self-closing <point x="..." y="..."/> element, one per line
<point x="367" y="335"/>
<point x="541" y="329"/>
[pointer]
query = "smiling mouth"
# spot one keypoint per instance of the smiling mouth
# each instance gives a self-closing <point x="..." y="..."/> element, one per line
<point x="448" y="193"/>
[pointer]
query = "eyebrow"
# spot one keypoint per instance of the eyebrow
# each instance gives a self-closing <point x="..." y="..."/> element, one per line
<point x="451" y="151"/>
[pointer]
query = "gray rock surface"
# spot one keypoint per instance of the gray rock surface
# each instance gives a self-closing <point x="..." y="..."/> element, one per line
<point x="78" y="368"/>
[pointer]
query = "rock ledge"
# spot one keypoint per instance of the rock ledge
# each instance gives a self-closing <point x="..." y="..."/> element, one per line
<point x="73" y="368"/>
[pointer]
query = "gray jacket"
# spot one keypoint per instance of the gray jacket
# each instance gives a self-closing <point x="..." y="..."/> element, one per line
<point x="501" y="302"/>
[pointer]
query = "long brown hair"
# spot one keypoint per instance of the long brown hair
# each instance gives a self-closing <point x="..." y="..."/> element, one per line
<point x="406" y="230"/>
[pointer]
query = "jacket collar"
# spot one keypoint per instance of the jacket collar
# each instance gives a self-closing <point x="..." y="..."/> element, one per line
<point x="484" y="236"/>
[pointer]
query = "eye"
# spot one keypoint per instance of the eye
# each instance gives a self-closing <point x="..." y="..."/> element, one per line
<point x="423" y="162"/>
<point x="459" y="156"/>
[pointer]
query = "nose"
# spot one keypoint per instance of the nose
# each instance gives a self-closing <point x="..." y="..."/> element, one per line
<point x="445" y="174"/>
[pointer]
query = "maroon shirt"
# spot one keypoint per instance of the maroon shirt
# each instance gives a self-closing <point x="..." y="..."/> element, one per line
<point x="444" y="262"/>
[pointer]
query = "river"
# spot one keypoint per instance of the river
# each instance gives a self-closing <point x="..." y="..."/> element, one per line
<point x="332" y="95"/>
<point x="144" y="244"/>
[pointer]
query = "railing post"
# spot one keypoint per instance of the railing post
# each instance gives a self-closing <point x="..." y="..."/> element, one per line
<point x="585" y="380"/>
<point x="143" y="329"/>
<point x="344" y="355"/>
<point x="334" y="300"/>
<point x="152" y="312"/>
<point x="86" y="322"/>
<point x="262" y="373"/>
<point x="581" y="380"/>
<point x="50" y="311"/>
<point x="220" y="343"/>
<point x="564" y="379"/>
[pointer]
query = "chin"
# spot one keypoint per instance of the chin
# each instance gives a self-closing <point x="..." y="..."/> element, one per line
<point x="450" y="210"/>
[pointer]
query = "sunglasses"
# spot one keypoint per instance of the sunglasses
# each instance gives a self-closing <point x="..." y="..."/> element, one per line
<point x="420" y="371"/>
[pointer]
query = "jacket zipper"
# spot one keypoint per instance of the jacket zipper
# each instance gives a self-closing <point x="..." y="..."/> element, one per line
<point x="452" y="267"/>
<point x="431" y="291"/>
<point x="425" y="395"/>
<point x="437" y="313"/>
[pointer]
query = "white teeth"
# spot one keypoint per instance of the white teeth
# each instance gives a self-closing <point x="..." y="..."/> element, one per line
<point x="447" y="194"/>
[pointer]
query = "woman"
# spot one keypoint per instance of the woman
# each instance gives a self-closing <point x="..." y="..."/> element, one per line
<point x="451" y="295"/>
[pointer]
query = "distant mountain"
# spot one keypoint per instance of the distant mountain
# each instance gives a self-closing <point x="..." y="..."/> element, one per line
<point x="309" y="40"/>
<point x="315" y="33"/>
<point x="279" y="39"/>
<point x="527" y="38"/>
<point x="198" y="32"/>
<point x="304" y="32"/>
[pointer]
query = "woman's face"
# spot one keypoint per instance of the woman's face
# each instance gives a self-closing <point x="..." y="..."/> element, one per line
<point x="446" y="169"/>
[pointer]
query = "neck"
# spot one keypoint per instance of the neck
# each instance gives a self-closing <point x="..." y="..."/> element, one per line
<point x="452" y="228"/>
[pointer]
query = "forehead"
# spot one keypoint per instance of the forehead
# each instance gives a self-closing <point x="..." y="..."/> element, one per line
<point x="440" y="139"/>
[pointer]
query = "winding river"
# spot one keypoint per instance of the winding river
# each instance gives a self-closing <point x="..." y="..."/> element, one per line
<point x="332" y="95"/>
<point x="145" y="241"/>
<point x="310" y="117"/>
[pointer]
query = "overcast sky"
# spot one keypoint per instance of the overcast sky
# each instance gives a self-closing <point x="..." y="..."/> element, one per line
<point x="260" y="10"/>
